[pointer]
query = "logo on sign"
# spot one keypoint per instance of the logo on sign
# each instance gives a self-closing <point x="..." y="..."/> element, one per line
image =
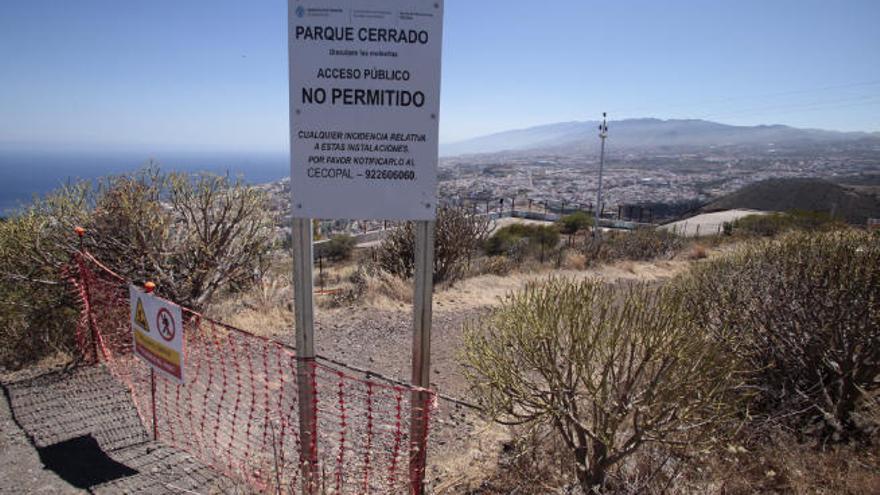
<point x="300" y="11"/>
<point x="165" y="324"/>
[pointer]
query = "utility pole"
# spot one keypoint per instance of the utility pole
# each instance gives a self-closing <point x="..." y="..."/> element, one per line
<point x="603" y="133"/>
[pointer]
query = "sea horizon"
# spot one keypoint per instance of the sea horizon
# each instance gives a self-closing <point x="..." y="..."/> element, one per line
<point x="25" y="174"/>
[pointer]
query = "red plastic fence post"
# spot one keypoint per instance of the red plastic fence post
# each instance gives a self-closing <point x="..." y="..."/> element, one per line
<point x="83" y="275"/>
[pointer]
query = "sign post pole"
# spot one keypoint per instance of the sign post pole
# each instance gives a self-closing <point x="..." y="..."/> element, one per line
<point x="149" y="288"/>
<point x="305" y="350"/>
<point x="421" y="353"/>
<point x="153" y="402"/>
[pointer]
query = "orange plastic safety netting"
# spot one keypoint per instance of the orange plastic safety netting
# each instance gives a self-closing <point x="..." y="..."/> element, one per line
<point x="238" y="410"/>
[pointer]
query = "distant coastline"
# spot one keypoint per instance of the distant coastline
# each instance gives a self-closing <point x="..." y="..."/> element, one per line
<point x="24" y="174"/>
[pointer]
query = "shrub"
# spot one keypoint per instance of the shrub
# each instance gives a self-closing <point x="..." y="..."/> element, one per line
<point x="37" y="309"/>
<point x="457" y="236"/>
<point x="728" y="228"/>
<point x="804" y="312"/>
<point x="610" y="370"/>
<point x="194" y="237"/>
<point x="637" y="245"/>
<point x="340" y="247"/>
<point x="574" y="223"/>
<point x="518" y="240"/>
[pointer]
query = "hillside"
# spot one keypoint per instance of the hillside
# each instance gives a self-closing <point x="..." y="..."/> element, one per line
<point x="846" y="202"/>
<point x="652" y="133"/>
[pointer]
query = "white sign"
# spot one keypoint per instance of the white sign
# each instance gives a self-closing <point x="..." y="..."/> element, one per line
<point x="364" y="103"/>
<point x="157" y="330"/>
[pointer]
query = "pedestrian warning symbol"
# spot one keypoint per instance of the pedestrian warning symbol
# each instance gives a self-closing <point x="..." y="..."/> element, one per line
<point x="165" y="324"/>
<point x="140" y="317"/>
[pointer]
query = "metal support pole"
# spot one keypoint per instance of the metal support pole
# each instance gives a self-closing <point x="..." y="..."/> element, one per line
<point x="603" y="133"/>
<point x="421" y="359"/>
<point x="153" y="400"/>
<point x="303" y="257"/>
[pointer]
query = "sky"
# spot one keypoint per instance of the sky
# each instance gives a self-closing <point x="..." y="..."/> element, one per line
<point x="211" y="75"/>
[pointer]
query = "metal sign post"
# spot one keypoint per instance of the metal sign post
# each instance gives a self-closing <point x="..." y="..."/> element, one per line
<point x="421" y="352"/>
<point x="305" y="350"/>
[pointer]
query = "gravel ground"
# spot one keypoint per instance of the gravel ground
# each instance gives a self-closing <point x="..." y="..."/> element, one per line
<point x="462" y="445"/>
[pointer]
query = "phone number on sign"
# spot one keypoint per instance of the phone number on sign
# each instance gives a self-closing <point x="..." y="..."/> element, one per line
<point x="390" y="174"/>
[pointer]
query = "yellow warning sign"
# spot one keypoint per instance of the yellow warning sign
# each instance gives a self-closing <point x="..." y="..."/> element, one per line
<point x="162" y="350"/>
<point x="140" y="317"/>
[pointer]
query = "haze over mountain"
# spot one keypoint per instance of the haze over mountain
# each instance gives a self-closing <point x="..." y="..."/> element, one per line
<point x="650" y="133"/>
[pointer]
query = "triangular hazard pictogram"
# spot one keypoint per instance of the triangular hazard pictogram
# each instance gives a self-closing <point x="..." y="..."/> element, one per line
<point x="140" y="317"/>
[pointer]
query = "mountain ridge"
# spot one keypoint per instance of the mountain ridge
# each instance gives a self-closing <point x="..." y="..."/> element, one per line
<point x="649" y="132"/>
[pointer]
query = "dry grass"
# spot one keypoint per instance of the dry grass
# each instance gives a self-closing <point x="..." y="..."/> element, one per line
<point x="779" y="465"/>
<point x="464" y="470"/>
<point x="265" y="309"/>
<point x="782" y="465"/>
<point x="385" y="291"/>
<point x="574" y="261"/>
<point x="487" y="290"/>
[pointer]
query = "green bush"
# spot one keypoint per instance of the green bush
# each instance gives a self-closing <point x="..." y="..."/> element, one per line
<point x="608" y="369"/>
<point x="340" y="247"/>
<point x="574" y="223"/>
<point x="804" y="312"/>
<point x="518" y="240"/>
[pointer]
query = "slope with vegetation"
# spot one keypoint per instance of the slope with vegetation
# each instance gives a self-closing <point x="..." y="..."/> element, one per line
<point x="814" y="195"/>
<point x="642" y="388"/>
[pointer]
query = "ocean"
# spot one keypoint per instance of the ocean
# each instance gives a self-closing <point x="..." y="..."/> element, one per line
<point x="25" y="174"/>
